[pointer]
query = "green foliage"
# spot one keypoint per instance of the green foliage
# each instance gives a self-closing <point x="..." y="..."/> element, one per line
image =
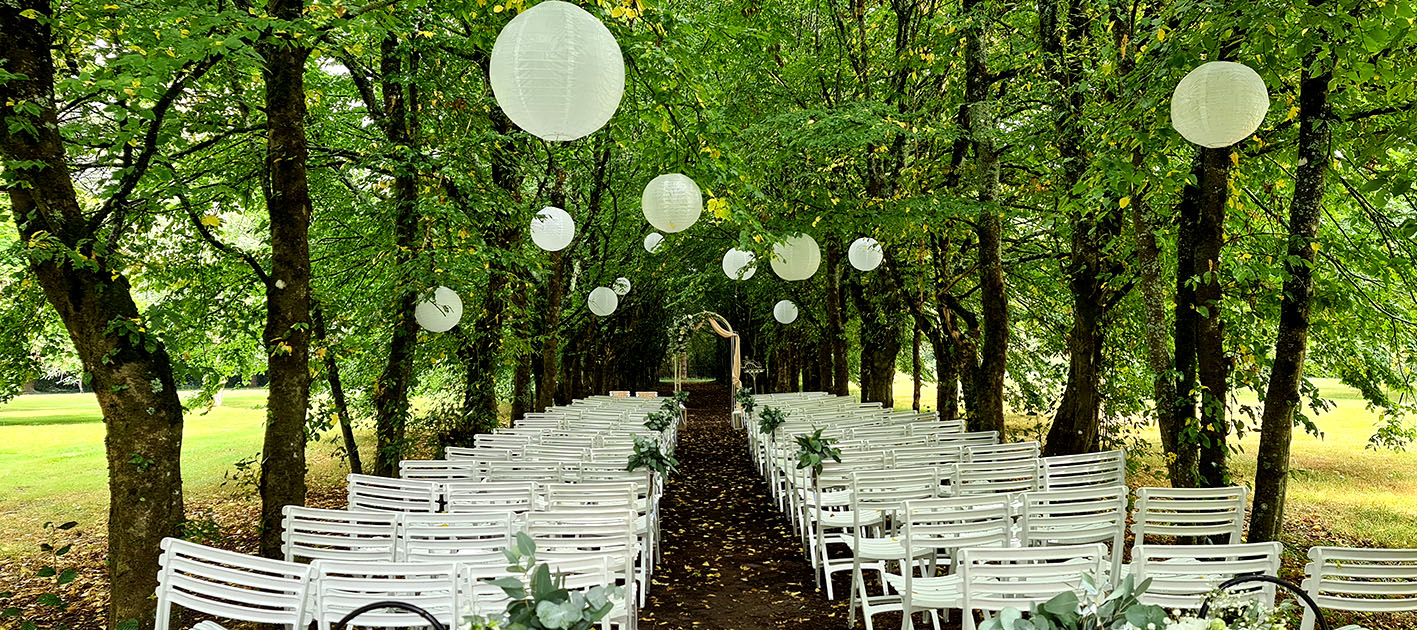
<point x="50" y="601"/>
<point x="1100" y="611"/>
<point x="770" y="419"/>
<point x="660" y="421"/>
<point x="746" y="400"/>
<point x="648" y="455"/>
<point x="813" y="450"/>
<point x="539" y="599"/>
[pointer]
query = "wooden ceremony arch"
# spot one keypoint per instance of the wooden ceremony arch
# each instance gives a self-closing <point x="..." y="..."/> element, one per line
<point x="722" y="328"/>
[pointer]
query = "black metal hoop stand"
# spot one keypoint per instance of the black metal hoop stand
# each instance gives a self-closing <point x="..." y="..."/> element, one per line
<point x="427" y="616"/>
<point x="1289" y="586"/>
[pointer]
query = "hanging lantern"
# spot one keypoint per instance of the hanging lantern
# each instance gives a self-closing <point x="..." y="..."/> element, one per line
<point x="785" y="312"/>
<point x="552" y="229"/>
<point x="621" y="286"/>
<point x="865" y="253"/>
<point x="672" y="202"/>
<point x="440" y="312"/>
<point x="557" y="72"/>
<point x="1219" y="104"/>
<point x="652" y="242"/>
<point x="797" y="258"/>
<point x="738" y="264"/>
<point x="602" y="301"/>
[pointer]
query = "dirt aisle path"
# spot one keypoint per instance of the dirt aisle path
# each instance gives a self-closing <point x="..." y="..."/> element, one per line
<point x="730" y="561"/>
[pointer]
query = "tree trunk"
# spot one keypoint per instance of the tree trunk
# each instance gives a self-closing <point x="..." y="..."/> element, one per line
<point x="287" y="332"/>
<point x="1180" y="455"/>
<point x="351" y="447"/>
<point x="523" y="398"/>
<point x="391" y="391"/>
<point x="826" y="369"/>
<point x="1212" y="366"/>
<point x="129" y="369"/>
<point x="1075" y="426"/>
<point x="988" y="413"/>
<point x="1291" y="342"/>
<point x="836" y="321"/>
<point x="915" y="369"/>
<point x="479" y="351"/>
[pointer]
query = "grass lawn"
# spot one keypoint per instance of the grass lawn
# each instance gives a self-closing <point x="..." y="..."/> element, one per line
<point x="1339" y="486"/>
<point x="52" y="464"/>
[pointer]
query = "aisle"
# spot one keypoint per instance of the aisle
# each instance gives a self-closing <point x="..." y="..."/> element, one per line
<point x="730" y="562"/>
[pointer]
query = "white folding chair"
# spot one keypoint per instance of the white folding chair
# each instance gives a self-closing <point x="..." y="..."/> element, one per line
<point x="1066" y="472"/>
<point x="318" y="534"/>
<point x="494" y="497"/>
<point x="1012" y="452"/>
<point x="995" y="579"/>
<point x="1183" y="575"/>
<point x="342" y="587"/>
<point x="579" y="531"/>
<point x="477" y="538"/>
<point x="946" y="526"/>
<point x="519" y="470"/>
<point x="1363" y="580"/>
<point x="1075" y="517"/>
<point x="876" y="496"/>
<point x="439" y="469"/>
<point x="1189" y="512"/>
<point x="382" y="494"/>
<point x="828" y="518"/>
<point x="1005" y="477"/>
<point x="230" y="585"/>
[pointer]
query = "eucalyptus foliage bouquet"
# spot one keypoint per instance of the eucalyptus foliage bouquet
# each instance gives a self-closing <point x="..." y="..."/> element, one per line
<point x="540" y="601"/>
<point x="659" y="421"/>
<point x="746" y="401"/>
<point x="1122" y="610"/>
<point x="648" y="455"/>
<point x="770" y="419"/>
<point x="814" y="450"/>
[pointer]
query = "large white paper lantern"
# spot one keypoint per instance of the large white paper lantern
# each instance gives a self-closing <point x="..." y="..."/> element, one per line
<point x="603" y="301"/>
<point x="440" y="312"/>
<point x="672" y="202"/>
<point x="1219" y="104"/>
<point x="739" y="265"/>
<point x="652" y="242"/>
<point x="797" y="258"/>
<point x="865" y="253"/>
<point x="557" y="72"/>
<point x="621" y="286"/>
<point x="552" y="229"/>
<point x="785" y="312"/>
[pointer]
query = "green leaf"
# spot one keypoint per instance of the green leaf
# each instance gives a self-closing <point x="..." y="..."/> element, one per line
<point x="67" y="575"/>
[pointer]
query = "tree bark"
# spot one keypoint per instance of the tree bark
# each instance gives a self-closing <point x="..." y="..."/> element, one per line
<point x="836" y="321"/>
<point x="1291" y="342"/>
<point x="1180" y="456"/>
<point x="479" y="351"/>
<point x="129" y="370"/>
<point x="826" y="367"/>
<point x="351" y="447"/>
<point x="523" y="397"/>
<point x="287" y="332"/>
<point x="551" y="317"/>
<point x="400" y="107"/>
<point x="988" y="413"/>
<point x="915" y="369"/>
<point x="1212" y="366"/>
<point x="1185" y="322"/>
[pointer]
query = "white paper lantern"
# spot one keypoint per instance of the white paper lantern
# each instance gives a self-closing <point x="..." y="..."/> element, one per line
<point x="865" y="253"/>
<point x="785" y="312"/>
<point x="739" y="265"/>
<point x="603" y="301"/>
<point x="652" y="242"/>
<point x="672" y="202"/>
<point x="797" y="258"/>
<point x="440" y="312"/>
<point x="1219" y="104"/>
<point x="552" y="229"/>
<point x="557" y="72"/>
<point x="621" y="286"/>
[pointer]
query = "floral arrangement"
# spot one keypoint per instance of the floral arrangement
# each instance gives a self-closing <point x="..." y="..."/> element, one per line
<point x="1122" y="610"/>
<point x="539" y="599"/>
<point x="648" y="455"/>
<point x="770" y="419"/>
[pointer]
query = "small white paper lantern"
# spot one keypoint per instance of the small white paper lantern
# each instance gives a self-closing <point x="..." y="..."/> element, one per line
<point x="652" y="242"/>
<point x="739" y="265"/>
<point x="621" y="286"/>
<point x="1219" y="104"/>
<point x="865" y="253"/>
<point x="440" y="312"/>
<point x="785" y="312"/>
<point x="557" y="72"/>
<point x="797" y="258"/>
<point x="602" y="301"/>
<point x="672" y="202"/>
<point x="552" y="229"/>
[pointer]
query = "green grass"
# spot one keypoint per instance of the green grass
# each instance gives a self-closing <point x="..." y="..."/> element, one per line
<point x="53" y="468"/>
<point x="1340" y="488"/>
